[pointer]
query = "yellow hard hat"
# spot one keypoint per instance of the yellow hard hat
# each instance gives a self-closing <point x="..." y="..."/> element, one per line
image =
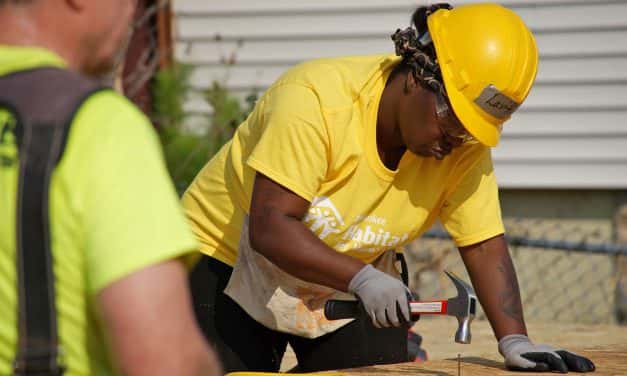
<point x="489" y="59"/>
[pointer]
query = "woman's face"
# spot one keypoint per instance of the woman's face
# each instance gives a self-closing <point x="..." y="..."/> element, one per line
<point x="425" y="130"/>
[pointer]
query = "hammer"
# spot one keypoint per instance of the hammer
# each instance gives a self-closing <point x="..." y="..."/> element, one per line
<point x="463" y="307"/>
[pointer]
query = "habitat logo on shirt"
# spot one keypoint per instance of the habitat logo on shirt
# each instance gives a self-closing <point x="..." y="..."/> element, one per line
<point x="369" y="234"/>
<point x="323" y="218"/>
<point x="365" y="234"/>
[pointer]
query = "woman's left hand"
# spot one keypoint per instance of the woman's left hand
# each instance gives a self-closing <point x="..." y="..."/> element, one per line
<point x="522" y="355"/>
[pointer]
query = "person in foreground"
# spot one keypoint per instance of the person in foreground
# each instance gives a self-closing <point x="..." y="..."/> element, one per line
<point x="341" y="163"/>
<point x="112" y="234"/>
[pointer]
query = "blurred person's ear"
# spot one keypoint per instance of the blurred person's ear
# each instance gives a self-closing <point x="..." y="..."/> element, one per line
<point x="78" y="5"/>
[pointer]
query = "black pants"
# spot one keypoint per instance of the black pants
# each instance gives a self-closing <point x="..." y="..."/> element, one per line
<point x="243" y="344"/>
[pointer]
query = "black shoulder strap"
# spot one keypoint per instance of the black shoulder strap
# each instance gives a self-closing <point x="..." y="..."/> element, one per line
<point x="43" y="102"/>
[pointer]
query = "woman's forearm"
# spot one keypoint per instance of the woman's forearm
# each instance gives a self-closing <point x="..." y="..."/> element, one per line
<point x="290" y="245"/>
<point x="494" y="278"/>
<point x="277" y="232"/>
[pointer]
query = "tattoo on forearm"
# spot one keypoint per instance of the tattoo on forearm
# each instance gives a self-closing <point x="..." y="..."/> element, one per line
<point x="510" y="296"/>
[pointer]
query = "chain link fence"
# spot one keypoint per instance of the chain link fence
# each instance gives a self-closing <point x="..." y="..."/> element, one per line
<point x="149" y="51"/>
<point x="567" y="271"/>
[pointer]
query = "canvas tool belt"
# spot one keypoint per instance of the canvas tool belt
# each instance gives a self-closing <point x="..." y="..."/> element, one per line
<point x="43" y="103"/>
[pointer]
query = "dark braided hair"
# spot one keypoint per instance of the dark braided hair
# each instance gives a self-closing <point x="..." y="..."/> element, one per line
<point x="414" y="45"/>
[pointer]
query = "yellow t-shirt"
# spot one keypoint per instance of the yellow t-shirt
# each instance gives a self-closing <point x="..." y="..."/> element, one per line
<point x="113" y="211"/>
<point x="314" y="132"/>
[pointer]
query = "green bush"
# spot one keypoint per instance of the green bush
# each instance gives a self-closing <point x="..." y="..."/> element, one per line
<point x="170" y="89"/>
<point x="186" y="151"/>
<point x="227" y="115"/>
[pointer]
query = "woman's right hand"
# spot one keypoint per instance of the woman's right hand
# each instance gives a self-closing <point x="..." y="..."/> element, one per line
<point x="384" y="297"/>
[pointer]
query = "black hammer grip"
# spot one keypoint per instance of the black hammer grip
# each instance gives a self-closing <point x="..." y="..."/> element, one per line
<point x="342" y="309"/>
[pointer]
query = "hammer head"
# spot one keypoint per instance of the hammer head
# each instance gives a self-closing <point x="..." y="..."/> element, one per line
<point x="463" y="307"/>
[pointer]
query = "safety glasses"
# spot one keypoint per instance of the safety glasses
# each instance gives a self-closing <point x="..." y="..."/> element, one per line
<point x="449" y="123"/>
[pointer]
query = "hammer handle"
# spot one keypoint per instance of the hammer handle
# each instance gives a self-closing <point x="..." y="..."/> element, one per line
<point x="347" y="309"/>
<point x="342" y="309"/>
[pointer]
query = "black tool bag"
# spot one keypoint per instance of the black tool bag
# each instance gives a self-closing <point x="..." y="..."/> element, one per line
<point x="43" y="103"/>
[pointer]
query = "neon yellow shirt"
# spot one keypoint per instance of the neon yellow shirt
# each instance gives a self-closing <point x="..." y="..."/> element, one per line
<point x="113" y="212"/>
<point x="314" y="132"/>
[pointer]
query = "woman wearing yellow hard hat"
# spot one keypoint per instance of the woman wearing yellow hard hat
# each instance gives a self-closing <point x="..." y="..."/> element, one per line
<point x="341" y="163"/>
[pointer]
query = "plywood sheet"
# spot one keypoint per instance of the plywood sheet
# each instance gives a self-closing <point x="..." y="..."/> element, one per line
<point x="610" y="360"/>
<point x="606" y="345"/>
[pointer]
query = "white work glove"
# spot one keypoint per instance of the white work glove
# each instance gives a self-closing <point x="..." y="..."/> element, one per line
<point x="383" y="297"/>
<point x="522" y="355"/>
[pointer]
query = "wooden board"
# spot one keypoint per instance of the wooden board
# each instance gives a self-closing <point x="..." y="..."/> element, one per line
<point x="606" y="345"/>
<point x="610" y="360"/>
<point x="438" y="335"/>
